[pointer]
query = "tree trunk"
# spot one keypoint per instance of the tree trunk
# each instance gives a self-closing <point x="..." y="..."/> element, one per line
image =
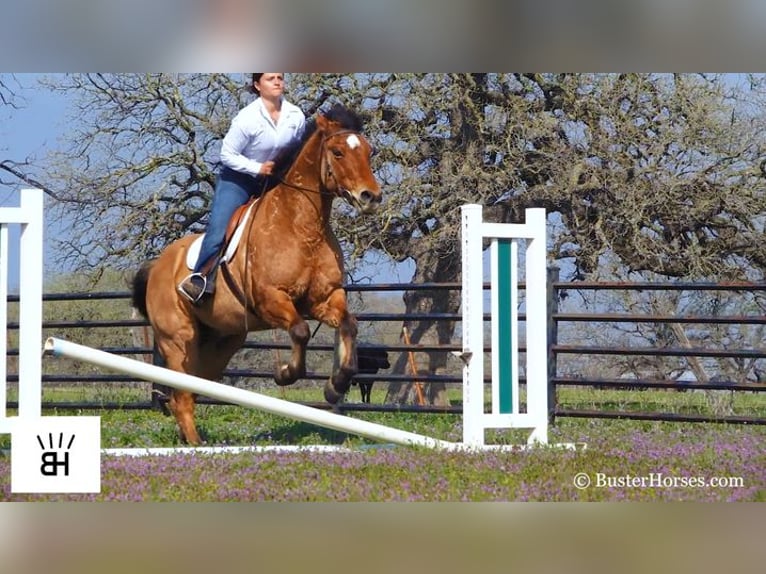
<point x="432" y="267"/>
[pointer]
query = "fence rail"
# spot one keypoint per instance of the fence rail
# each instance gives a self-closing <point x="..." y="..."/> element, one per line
<point x="559" y="346"/>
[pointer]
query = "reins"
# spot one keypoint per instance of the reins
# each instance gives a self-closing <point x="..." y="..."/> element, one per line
<point x="303" y="188"/>
<point x="323" y="151"/>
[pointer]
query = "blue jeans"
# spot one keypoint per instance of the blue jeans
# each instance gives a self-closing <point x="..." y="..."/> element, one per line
<point x="232" y="190"/>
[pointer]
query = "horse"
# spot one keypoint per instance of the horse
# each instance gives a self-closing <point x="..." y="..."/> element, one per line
<point x="288" y="266"/>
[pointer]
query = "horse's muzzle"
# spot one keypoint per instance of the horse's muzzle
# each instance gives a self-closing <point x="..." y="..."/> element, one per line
<point x="365" y="201"/>
<point x="368" y="201"/>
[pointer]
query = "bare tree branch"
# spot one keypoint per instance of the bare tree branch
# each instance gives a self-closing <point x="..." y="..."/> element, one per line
<point x="639" y="173"/>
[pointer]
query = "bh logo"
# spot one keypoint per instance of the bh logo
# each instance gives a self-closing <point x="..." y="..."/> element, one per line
<point x="56" y="454"/>
<point x="50" y="458"/>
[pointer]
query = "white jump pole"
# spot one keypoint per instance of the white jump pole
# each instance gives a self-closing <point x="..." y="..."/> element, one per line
<point x="242" y="397"/>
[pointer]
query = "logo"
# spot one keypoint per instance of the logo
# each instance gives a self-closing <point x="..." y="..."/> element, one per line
<point x="56" y="455"/>
<point x="50" y="457"/>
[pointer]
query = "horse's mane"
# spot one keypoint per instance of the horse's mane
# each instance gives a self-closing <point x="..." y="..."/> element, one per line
<point x="348" y="119"/>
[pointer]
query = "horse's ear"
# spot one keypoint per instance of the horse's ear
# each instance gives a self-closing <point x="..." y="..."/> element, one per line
<point x="322" y="122"/>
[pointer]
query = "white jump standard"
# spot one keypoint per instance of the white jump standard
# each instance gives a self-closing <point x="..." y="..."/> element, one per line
<point x="505" y="411"/>
<point x="29" y="216"/>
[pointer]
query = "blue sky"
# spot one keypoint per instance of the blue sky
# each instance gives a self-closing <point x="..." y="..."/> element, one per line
<point x="29" y="131"/>
<point x="33" y="128"/>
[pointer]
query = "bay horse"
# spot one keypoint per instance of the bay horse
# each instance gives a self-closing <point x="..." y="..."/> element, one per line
<point x="288" y="265"/>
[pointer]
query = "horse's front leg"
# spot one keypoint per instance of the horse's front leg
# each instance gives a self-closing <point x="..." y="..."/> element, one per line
<point x="281" y="313"/>
<point x="293" y="370"/>
<point x="335" y="314"/>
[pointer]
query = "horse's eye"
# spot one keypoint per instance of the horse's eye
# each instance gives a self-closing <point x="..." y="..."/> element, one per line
<point x="337" y="153"/>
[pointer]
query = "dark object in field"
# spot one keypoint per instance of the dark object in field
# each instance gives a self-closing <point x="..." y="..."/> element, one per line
<point x="369" y="361"/>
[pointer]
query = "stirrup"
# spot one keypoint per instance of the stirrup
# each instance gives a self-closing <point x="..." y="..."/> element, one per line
<point x="190" y="289"/>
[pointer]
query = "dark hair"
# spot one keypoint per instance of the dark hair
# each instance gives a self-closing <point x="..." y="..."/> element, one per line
<point x="255" y="79"/>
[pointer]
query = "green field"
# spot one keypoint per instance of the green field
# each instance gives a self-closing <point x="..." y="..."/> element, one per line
<point x="233" y="425"/>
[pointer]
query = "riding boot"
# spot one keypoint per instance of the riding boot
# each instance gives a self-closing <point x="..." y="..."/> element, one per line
<point x="210" y="280"/>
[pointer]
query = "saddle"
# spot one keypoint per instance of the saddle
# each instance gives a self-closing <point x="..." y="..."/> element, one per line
<point x="234" y="232"/>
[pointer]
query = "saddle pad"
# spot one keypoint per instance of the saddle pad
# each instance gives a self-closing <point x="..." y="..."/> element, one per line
<point x="193" y="252"/>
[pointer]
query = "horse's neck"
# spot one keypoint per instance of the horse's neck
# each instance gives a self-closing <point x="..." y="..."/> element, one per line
<point x="305" y="175"/>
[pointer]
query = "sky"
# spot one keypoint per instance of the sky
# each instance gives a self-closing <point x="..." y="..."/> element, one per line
<point x="34" y="127"/>
<point x="29" y="131"/>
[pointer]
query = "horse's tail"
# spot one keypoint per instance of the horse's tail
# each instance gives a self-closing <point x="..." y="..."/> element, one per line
<point x="139" y="287"/>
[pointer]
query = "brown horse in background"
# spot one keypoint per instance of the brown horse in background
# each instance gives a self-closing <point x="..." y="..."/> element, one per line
<point x="288" y="266"/>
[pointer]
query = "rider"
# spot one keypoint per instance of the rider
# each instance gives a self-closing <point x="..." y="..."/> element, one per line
<point x="256" y="136"/>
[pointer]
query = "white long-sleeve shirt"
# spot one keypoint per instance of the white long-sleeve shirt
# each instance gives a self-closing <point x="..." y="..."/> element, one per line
<point x="253" y="138"/>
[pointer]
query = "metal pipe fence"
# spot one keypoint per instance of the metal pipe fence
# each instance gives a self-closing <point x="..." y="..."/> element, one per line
<point x="564" y="345"/>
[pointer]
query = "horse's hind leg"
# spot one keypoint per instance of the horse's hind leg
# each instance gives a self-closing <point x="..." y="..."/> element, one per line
<point x="206" y="359"/>
<point x="182" y="405"/>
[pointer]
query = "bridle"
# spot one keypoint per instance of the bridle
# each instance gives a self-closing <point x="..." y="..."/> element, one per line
<point x="325" y="169"/>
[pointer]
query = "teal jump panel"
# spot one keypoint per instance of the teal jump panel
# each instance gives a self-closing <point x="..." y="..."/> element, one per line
<point x="505" y="341"/>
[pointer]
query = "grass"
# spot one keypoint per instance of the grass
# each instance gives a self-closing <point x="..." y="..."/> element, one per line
<point x="662" y="457"/>
<point x="232" y="425"/>
<point x="689" y="402"/>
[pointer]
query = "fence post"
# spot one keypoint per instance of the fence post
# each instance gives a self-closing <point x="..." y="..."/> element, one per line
<point x="3" y="317"/>
<point x="31" y="305"/>
<point x="553" y="335"/>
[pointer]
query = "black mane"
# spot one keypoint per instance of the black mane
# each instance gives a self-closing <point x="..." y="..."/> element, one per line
<point x="347" y="119"/>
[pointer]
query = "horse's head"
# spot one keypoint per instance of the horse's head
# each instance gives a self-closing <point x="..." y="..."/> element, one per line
<point x="346" y="169"/>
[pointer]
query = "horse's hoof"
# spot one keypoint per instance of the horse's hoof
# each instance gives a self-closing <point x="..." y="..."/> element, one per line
<point x="331" y="395"/>
<point x="282" y="376"/>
